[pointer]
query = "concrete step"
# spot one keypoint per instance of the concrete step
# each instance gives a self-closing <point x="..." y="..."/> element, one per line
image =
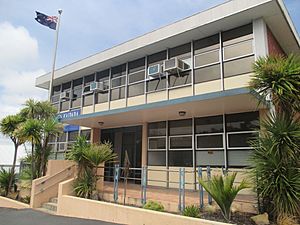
<point x="53" y="200"/>
<point x="50" y="206"/>
<point x="46" y="211"/>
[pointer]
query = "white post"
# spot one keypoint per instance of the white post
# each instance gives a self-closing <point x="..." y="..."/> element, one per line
<point x="54" y="55"/>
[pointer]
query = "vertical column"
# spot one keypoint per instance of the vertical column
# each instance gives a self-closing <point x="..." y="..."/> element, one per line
<point x="144" y="144"/>
<point x="260" y="45"/>
<point x="95" y="135"/>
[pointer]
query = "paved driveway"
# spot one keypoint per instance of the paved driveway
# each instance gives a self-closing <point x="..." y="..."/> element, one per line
<point x="32" y="217"/>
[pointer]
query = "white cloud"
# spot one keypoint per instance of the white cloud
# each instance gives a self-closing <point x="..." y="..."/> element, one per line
<point x="18" y="70"/>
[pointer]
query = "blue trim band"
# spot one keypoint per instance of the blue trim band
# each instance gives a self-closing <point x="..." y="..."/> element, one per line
<point x="213" y="95"/>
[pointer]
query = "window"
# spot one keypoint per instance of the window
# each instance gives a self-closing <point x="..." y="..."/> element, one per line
<point x="210" y="124"/>
<point x="118" y="71"/>
<point x="157" y="143"/>
<point x="181" y="142"/>
<point x="136" y="65"/>
<point x="136" y="89"/>
<point x="76" y="93"/>
<point x="157" y="129"/>
<point x="157" y="58"/>
<point x="157" y="158"/>
<point x="181" y="158"/>
<point x="209" y="141"/>
<point x="89" y="79"/>
<point x="72" y="136"/>
<point x="102" y="76"/>
<point x="238" y="67"/>
<point x="180" y="127"/>
<point x="117" y="93"/>
<point x="241" y="139"/>
<point x="206" y="44"/>
<point x="182" y="51"/>
<point x="156" y="85"/>
<point x="239" y="49"/>
<point x="136" y="76"/>
<point x="55" y="94"/>
<point x="86" y="133"/>
<point x="101" y="97"/>
<point x="237" y="35"/>
<point x="64" y="106"/>
<point x="242" y="121"/>
<point x="207" y="58"/>
<point x="207" y="73"/>
<point x="88" y="99"/>
<point x="118" y="81"/>
<point x="179" y="80"/>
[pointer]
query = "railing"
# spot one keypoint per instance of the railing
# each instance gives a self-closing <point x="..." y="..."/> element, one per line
<point x="116" y="174"/>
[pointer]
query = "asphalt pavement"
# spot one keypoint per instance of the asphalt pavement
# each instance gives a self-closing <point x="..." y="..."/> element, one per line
<point x="10" y="216"/>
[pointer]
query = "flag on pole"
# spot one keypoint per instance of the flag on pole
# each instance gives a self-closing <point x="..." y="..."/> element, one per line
<point x="49" y="21"/>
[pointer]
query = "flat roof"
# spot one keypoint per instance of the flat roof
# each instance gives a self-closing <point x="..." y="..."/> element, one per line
<point x="221" y="17"/>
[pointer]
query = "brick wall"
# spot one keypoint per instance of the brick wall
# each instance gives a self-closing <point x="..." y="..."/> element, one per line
<point x="273" y="45"/>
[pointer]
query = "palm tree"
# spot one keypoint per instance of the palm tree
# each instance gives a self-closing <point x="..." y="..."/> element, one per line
<point x="9" y="126"/>
<point x="223" y="191"/>
<point x="278" y="76"/>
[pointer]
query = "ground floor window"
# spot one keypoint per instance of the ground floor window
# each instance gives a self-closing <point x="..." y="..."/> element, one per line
<point x="205" y="141"/>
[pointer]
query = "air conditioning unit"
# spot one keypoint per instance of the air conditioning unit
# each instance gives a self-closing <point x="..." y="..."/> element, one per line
<point x="65" y="95"/>
<point x="155" y="71"/>
<point x="175" y="65"/>
<point x="99" y="86"/>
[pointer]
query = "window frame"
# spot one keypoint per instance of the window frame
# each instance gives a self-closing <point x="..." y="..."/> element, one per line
<point x="238" y="132"/>
<point x="180" y="149"/>
<point x="157" y="137"/>
<point x="208" y="134"/>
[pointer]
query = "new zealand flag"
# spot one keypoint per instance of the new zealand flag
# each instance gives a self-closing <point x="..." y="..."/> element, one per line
<point x="49" y="21"/>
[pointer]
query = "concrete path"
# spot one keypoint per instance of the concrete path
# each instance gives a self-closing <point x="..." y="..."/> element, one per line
<point x="10" y="216"/>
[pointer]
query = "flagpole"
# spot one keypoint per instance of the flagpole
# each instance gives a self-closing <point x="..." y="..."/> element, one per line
<point x="54" y="55"/>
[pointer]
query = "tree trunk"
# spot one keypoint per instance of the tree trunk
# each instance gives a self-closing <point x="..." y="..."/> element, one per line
<point x="42" y="162"/>
<point x="13" y="168"/>
<point x="32" y="161"/>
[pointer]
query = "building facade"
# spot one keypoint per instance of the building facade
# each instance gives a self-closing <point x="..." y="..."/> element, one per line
<point x="177" y="96"/>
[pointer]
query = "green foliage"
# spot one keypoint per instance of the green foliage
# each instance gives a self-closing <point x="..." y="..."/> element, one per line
<point x="152" y="205"/>
<point x="191" y="211"/>
<point x="223" y="191"/>
<point x="25" y="174"/>
<point x="88" y="157"/>
<point x="280" y="76"/>
<point x="26" y="199"/>
<point x="276" y="165"/>
<point x="84" y="186"/>
<point x="5" y="178"/>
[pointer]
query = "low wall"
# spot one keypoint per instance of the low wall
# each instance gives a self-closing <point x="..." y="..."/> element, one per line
<point x="10" y="203"/>
<point x="54" y="166"/>
<point x="109" y="212"/>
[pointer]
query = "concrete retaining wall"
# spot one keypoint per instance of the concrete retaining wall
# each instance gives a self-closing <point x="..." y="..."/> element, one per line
<point x="10" y="203"/>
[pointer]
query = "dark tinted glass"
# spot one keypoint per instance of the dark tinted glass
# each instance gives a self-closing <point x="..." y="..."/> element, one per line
<point x="237" y="34"/>
<point x="184" y="142"/>
<point x="207" y="58"/>
<point x="136" y="65"/>
<point x="207" y="74"/>
<point x="157" y="129"/>
<point x="180" y="51"/>
<point x="180" y="158"/>
<point x="89" y="79"/>
<point x="136" y="89"/>
<point x="206" y="44"/>
<point x="210" y="124"/>
<point x="157" y="158"/>
<point x="157" y="57"/>
<point x="66" y="86"/>
<point x="210" y="141"/>
<point x="101" y="97"/>
<point x="77" y="82"/>
<point x="76" y="102"/>
<point x="184" y="78"/>
<point x="157" y="143"/>
<point x="238" y="66"/>
<point x="118" y="70"/>
<point x="117" y="93"/>
<point x="157" y="84"/>
<point x="77" y="92"/>
<point x="56" y="90"/>
<point x="240" y="140"/>
<point x="178" y="127"/>
<point x="210" y="158"/>
<point x="62" y="137"/>
<point x="242" y="121"/>
<point x="72" y="136"/>
<point x="135" y="77"/>
<point x="103" y="75"/>
<point x="86" y="133"/>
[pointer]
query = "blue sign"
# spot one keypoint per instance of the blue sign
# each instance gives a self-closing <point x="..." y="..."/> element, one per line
<point x="68" y="115"/>
<point x="69" y="128"/>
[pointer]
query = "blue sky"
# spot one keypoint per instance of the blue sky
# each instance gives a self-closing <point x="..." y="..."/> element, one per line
<point x="87" y="27"/>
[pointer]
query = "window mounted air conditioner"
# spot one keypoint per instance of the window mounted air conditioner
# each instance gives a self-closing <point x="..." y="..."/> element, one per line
<point x="99" y="86"/>
<point x="65" y="95"/>
<point x="175" y="65"/>
<point x="155" y="71"/>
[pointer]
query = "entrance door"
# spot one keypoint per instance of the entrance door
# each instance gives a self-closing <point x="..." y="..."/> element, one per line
<point x="126" y="139"/>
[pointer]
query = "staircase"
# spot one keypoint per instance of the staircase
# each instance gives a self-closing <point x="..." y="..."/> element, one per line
<point x="50" y="207"/>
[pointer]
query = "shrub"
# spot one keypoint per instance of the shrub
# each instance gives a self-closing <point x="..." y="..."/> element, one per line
<point x="26" y="199"/>
<point x="191" y="211"/>
<point x="5" y="178"/>
<point x="223" y="191"/>
<point x="152" y="205"/>
<point x="84" y="186"/>
<point x="286" y="220"/>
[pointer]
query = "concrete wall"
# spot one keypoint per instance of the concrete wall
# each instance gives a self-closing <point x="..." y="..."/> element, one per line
<point x="109" y="212"/>
<point x="54" y="166"/>
<point x="9" y="203"/>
